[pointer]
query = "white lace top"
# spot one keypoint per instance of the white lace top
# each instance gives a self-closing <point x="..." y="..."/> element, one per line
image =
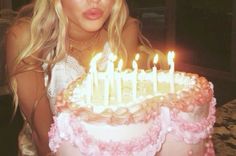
<point x="63" y="72"/>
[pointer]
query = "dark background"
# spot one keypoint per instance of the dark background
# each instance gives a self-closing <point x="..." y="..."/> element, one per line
<point x="16" y="4"/>
<point x="203" y="36"/>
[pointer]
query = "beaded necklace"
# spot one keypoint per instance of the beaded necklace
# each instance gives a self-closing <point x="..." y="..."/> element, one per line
<point x="87" y="45"/>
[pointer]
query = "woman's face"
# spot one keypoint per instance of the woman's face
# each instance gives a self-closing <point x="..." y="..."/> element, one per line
<point x="89" y="15"/>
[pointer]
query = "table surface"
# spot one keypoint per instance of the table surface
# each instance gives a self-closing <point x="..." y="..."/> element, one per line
<point x="224" y="136"/>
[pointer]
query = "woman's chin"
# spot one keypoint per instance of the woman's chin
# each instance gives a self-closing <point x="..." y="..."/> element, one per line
<point x="93" y="26"/>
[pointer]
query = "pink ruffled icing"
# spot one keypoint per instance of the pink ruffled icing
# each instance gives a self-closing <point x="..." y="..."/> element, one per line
<point x="68" y="127"/>
<point x="192" y="133"/>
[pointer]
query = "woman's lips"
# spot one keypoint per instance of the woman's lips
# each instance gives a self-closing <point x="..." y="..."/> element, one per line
<point x="93" y="14"/>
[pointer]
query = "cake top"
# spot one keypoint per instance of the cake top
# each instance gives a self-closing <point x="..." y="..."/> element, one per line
<point x="190" y="90"/>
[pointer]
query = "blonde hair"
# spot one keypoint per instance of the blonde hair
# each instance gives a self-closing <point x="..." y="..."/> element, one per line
<point x="48" y="33"/>
<point x="116" y="24"/>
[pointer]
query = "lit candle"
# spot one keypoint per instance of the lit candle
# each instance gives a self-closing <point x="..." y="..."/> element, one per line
<point x="109" y="78"/>
<point x="111" y="59"/>
<point x="93" y="68"/>
<point x="154" y="71"/>
<point x="89" y="88"/>
<point x="171" y="56"/>
<point x="134" y="80"/>
<point x="107" y="85"/>
<point x="118" y="81"/>
<point x="137" y="56"/>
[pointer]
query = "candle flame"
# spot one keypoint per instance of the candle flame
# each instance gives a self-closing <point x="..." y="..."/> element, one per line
<point x="155" y="60"/>
<point x="120" y="65"/>
<point x="137" y="56"/>
<point x="112" y="57"/>
<point x="95" y="59"/>
<point x="107" y="48"/>
<point x="171" y="55"/>
<point x="135" y="65"/>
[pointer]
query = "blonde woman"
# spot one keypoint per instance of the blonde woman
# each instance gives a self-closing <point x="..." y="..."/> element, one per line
<point x="47" y="50"/>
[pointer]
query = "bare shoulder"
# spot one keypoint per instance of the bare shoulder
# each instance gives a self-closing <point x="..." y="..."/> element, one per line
<point x="18" y="34"/>
<point x="131" y="27"/>
<point x="17" y="38"/>
<point x="131" y="22"/>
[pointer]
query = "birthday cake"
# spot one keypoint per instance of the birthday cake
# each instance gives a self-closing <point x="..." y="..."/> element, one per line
<point x="134" y="112"/>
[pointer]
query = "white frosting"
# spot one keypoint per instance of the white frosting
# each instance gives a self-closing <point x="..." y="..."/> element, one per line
<point x="144" y="90"/>
<point x="121" y="133"/>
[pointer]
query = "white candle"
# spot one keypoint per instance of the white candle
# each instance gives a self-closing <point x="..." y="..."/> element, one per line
<point x="154" y="71"/>
<point x="93" y="68"/>
<point x="112" y="58"/>
<point x="106" y="86"/>
<point x="134" y="80"/>
<point x="171" y="56"/>
<point x="93" y="72"/>
<point x="89" y="88"/>
<point x="119" y="81"/>
<point x="89" y="84"/>
<point x="109" y="78"/>
<point x="142" y="76"/>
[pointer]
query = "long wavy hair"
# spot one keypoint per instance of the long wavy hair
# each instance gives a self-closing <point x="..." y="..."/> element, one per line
<point x="48" y="32"/>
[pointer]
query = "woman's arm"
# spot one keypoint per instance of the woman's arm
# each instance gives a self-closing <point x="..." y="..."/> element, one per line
<point x="30" y="87"/>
